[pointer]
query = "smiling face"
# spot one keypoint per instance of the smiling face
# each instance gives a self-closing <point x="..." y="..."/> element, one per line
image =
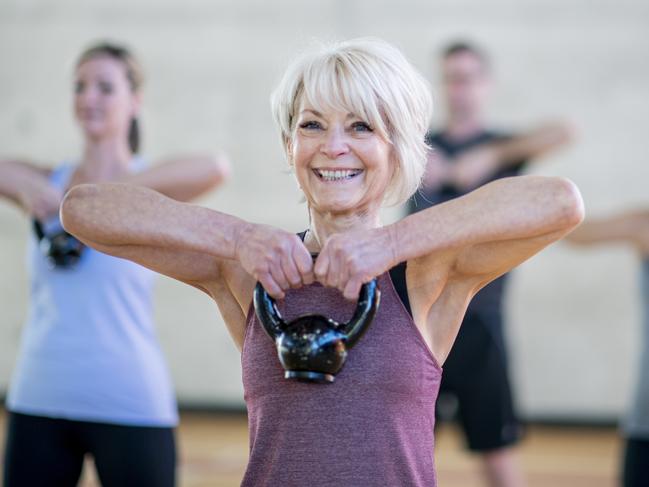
<point x="342" y="165"/>
<point x="104" y="100"/>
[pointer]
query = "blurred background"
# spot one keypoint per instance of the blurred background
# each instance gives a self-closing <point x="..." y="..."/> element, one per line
<point x="573" y="316"/>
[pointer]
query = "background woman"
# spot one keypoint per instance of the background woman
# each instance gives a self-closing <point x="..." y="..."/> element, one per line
<point x="91" y="378"/>
<point x="632" y="229"/>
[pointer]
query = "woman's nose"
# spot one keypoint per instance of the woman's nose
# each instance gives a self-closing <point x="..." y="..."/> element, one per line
<point x="335" y="143"/>
<point x="87" y="95"/>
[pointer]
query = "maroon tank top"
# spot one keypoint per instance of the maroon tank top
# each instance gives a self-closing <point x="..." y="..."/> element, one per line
<point x="373" y="426"/>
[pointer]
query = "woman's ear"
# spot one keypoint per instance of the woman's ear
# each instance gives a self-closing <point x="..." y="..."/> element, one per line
<point x="288" y="145"/>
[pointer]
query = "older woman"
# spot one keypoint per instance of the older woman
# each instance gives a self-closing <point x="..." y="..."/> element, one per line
<point x="352" y="117"/>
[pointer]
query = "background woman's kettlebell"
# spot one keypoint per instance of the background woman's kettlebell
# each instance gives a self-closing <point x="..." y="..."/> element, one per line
<point x="61" y="249"/>
<point x="313" y="347"/>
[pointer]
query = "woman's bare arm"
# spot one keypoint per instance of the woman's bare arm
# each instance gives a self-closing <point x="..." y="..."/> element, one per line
<point x="458" y="247"/>
<point x="183" y="241"/>
<point x="27" y="186"/>
<point x="183" y="178"/>
<point x="494" y="228"/>
<point x="455" y="248"/>
<point x="177" y="239"/>
<point x="631" y="227"/>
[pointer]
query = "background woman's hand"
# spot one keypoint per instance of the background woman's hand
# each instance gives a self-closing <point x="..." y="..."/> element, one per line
<point x="41" y="201"/>
<point x="348" y="260"/>
<point x="276" y="258"/>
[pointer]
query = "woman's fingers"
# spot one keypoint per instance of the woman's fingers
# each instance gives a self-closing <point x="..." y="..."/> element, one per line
<point x="271" y="286"/>
<point x="304" y="263"/>
<point x="352" y="289"/>
<point x="277" y="273"/>
<point x="321" y="268"/>
<point x="289" y="267"/>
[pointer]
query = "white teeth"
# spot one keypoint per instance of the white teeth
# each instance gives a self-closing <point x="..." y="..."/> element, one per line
<point x="337" y="175"/>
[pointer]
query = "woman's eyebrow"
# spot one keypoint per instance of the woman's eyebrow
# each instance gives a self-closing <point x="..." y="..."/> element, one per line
<point x="315" y="112"/>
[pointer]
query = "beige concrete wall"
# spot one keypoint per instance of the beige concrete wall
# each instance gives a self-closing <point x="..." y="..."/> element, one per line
<point x="210" y="67"/>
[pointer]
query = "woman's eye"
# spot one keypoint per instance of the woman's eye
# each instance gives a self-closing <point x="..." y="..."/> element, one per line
<point x="310" y="125"/>
<point x="361" y="127"/>
<point x="78" y="87"/>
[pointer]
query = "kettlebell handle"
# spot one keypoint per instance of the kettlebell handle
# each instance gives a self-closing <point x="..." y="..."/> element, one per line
<point x="267" y="312"/>
<point x="266" y="309"/>
<point x="368" y="303"/>
<point x="272" y="321"/>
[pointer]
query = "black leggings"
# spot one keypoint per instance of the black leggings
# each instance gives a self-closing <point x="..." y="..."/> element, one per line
<point x="49" y="452"/>
<point x="635" y="471"/>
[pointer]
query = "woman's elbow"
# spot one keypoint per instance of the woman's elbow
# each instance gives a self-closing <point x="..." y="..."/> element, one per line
<point x="569" y="203"/>
<point x="72" y="207"/>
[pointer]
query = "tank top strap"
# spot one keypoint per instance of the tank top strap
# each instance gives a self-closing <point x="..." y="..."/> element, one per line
<point x="61" y="175"/>
<point x="398" y="277"/>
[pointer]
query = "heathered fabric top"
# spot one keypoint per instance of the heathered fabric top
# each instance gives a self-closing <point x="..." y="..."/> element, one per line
<point x="89" y="350"/>
<point x="373" y="426"/>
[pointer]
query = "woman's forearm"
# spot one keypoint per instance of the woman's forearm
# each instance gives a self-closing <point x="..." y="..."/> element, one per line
<point x="113" y="215"/>
<point x="184" y="178"/>
<point x="507" y="209"/>
<point x="628" y="227"/>
<point x="18" y="179"/>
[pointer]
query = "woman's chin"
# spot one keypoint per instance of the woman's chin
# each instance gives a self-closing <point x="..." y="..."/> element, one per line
<point x="337" y="205"/>
<point x="92" y="130"/>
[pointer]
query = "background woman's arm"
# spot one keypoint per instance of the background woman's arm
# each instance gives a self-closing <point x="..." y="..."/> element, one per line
<point x="183" y="178"/>
<point x="631" y="227"/>
<point x="27" y="186"/>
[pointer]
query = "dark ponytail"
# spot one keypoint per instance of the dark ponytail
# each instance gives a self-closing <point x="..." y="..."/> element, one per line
<point x="134" y="136"/>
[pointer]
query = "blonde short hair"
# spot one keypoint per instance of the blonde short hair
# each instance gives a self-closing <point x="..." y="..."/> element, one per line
<point x="374" y="80"/>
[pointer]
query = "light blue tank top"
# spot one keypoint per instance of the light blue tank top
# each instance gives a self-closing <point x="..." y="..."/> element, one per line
<point x="637" y="421"/>
<point x="89" y="349"/>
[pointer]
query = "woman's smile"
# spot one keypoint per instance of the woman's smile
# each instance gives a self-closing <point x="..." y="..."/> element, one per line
<point x="336" y="175"/>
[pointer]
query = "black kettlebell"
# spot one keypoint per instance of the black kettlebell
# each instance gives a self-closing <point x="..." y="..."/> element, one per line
<point x="312" y="347"/>
<point x="61" y="249"/>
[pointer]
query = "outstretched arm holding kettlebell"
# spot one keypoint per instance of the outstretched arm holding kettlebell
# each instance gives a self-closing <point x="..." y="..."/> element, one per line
<point x="452" y="249"/>
<point x="182" y="178"/>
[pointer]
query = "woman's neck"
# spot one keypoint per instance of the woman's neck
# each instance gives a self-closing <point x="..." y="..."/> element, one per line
<point x="106" y="158"/>
<point x="323" y="225"/>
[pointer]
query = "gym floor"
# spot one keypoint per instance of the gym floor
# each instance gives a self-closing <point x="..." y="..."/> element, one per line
<point x="213" y="453"/>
